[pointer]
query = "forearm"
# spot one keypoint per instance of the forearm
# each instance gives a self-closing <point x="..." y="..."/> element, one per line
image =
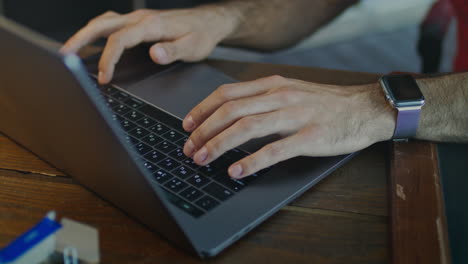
<point x="445" y="116"/>
<point x="276" y="24"/>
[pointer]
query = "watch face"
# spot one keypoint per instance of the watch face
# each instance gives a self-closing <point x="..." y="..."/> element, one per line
<point x="403" y="90"/>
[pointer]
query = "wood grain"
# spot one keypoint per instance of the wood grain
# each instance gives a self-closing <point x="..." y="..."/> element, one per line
<point x="14" y="157"/>
<point x="418" y="223"/>
<point x="295" y="234"/>
<point x="358" y="187"/>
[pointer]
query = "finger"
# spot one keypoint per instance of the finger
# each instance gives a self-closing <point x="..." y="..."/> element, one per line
<point x="117" y="42"/>
<point x="101" y="26"/>
<point x="226" y="93"/>
<point x="245" y="129"/>
<point x="229" y="113"/>
<point x="170" y="51"/>
<point x="267" y="156"/>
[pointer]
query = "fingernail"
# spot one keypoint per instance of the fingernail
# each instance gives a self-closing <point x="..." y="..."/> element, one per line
<point x="235" y="171"/>
<point x="101" y="77"/>
<point x="201" y="155"/>
<point x="188" y="123"/>
<point x="189" y="148"/>
<point x="161" y="54"/>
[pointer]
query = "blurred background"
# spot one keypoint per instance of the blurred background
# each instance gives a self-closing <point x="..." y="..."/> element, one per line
<point x="377" y="36"/>
<point x="368" y="33"/>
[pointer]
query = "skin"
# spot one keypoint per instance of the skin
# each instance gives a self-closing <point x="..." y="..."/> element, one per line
<point x="315" y="119"/>
<point x="312" y="119"/>
<point x="191" y="34"/>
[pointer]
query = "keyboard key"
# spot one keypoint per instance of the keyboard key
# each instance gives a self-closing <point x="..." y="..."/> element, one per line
<point x="159" y="129"/>
<point x="146" y="122"/>
<point x="229" y="182"/>
<point x="150" y="167"/>
<point x="168" y="164"/>
<point x="120" y="109"/>
<point x="166" y="147"/>
<point x="218" y="191"/>
<point x="207" y="203"/>
<point x="172" y="136"/>
<point x="160" y="116"/>
<point x="198" y="181"/>
<point x="115" y="117"/>
<point x="191" y="194"/>
<point x="236" y="154"/>
<point x="162" y="176"/>
<point x="139" y="132"/>
<point x="131" y="140"/>
<point x="133" y="102"/>
<point x="127" y="125"/>
<point x="178" y="154"/>
<point x="152" y="139"/>
<point x="249" y="179"/>
<point x="142" y="148"/>
<point x="181" y="142"/>
<point x="184" y="205"/>
<point x="133" y="116"/>
<point x="108" y="90"/>
<point x="191" y="164"/>
<point x="175" y="185"/>
<point x="221" y="164"/>
<point x="121" y="96"/>
<point x="111" y="102"/>
<point x="155" y="156"/>
<point x="208" y="170"/>
<point x="183" y="172"/>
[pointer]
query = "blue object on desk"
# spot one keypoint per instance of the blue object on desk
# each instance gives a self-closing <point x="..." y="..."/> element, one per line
<point x="30" y="239"/>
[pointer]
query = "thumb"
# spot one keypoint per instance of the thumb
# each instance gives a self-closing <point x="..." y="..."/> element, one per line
<point x="168" y="52"/>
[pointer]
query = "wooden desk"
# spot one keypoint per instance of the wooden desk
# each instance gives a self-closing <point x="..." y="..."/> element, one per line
<point x="344" y="219"/>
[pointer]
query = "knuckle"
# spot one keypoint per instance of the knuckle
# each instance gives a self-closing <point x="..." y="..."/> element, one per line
<point x="228" y="109"/>
<point x="246" y="122"/>
<point x="213" y="145"/>
<point x="197" y="112"/>
<point x="109" y="13"/>
<point x="115" y="39"/>
<point x="276" y="79"/>
<point x="97" y="20"/>
<point x="286" y="94"/>
<point x="139" y="12"/>
<point x="94" y="22"/>
<point x="273" y="150"/>
<point x="198" y="138"/>
<point x="224" y="91"/>
<point x="250" y="164"/>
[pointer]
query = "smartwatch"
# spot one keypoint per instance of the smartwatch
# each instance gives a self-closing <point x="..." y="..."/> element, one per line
<point x="404" y="95"/>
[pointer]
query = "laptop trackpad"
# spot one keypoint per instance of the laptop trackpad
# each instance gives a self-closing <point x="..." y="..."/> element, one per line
<point x="180" y="89"/>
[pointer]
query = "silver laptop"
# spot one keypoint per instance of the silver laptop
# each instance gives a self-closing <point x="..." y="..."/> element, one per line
<point x="123" y="142"/>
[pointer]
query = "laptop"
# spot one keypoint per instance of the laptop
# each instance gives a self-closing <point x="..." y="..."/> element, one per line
<point x="124" y="143"/>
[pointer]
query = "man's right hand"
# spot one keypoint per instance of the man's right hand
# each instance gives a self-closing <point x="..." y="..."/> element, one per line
<point x="181" y="34"/>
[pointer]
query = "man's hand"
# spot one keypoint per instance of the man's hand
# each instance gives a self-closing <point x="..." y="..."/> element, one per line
<point x="313" y="119"/>
<point x="184" y="34"/>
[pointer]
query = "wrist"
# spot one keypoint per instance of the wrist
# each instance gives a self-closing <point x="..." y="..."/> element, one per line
<point x="381" y="115"/>
<point x="224" y="19"/>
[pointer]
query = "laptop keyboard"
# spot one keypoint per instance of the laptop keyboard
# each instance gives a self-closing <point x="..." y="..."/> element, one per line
<point x="158" y="140"/>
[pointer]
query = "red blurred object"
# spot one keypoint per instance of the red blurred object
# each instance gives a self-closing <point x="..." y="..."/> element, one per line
<point x="461" y="12"/>
<point x="436" y="24"/>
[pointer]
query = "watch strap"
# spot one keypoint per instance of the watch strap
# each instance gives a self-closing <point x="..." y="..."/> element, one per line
<point x="407" y="123"/>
